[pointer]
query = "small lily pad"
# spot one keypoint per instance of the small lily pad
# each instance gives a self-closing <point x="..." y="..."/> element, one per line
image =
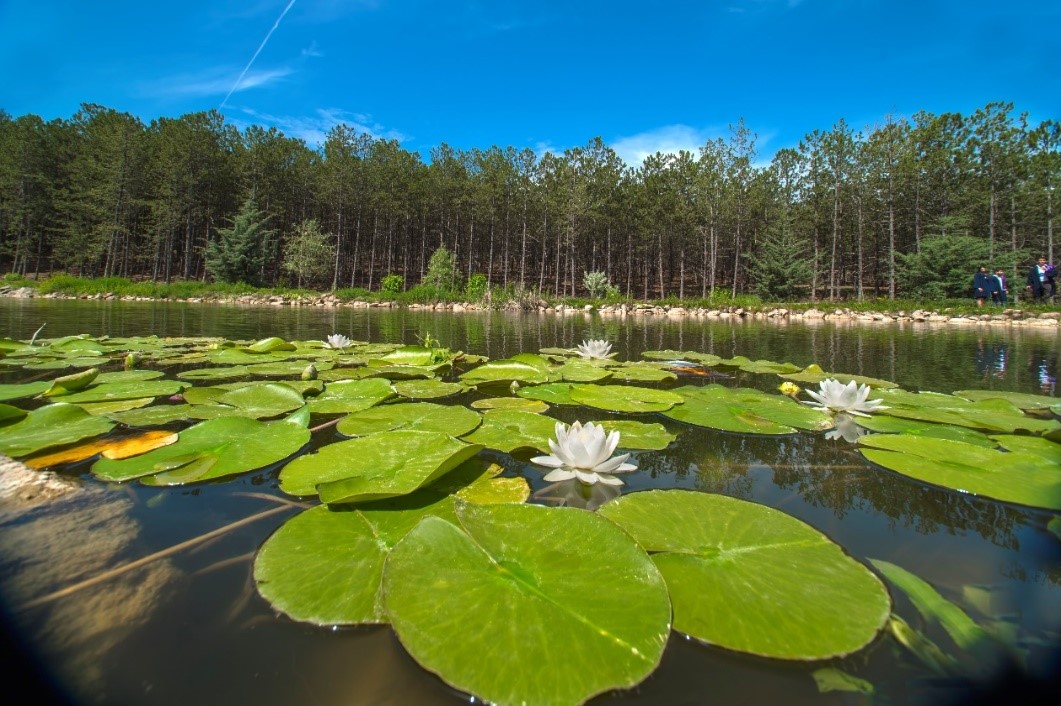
<point x="639" y="435"/>
<point x="625" y="398"/>
<point x="351" y="396"/>
<point x="427" y="389"/>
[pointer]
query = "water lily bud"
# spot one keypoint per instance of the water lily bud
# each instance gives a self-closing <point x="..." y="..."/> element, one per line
<point x="789" y="388"/>
<point x="310" y="373"/>
<point x="131" y="360"/>
<point x="514" y="387"/>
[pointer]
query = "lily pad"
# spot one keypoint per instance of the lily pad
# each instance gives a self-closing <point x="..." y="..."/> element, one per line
<point x="113" y="391"/>
<point x="524" y="368"/>
<point x="639" y="435"/>
<point x="212" y="449"/>
<point x="351" y="396"/>
<point x="129" y="376"/>
<point x="50" y="426"/>
<point x="995" y="415"/>
<point x="1016" y="476"/>
<point x="508" y="430"/>
<point x="261" y="401"/>
<point x="575" y="371"/>
<point x="325" y="565"/>
<point x="813" y="374"/>
<point x="108" y="408"/>
<point x="512" y="403"/>
<point x="382" y="465"/>
<point x="745" y="411"/>
<point x="71" y="383"/>
<point x="231" y="371"/>
<point x="753" y="579"/>
<point x="625" y="398"/>
<point x="427" y="389"/>
<point x="552" y="393"/>
<point x="422" y="416"/>
<point x="1021" y="400"/>
<point x="110" y="448"/>
<point x="9" y="413"/>
<point x="19" y="391"/>
<point x="894" y="425"/>
<point x="557" y="588"/>
<point x="634" y="372"/>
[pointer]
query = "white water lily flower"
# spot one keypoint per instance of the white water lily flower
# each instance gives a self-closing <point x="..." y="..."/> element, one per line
<point x="595" y="348"/>
<point x="337" y="341"/>
<point x="835" y="396"/>
<point x="585" y="453"/>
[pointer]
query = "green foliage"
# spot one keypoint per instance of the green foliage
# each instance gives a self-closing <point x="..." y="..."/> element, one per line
<point x="596" y="283"/>
<point x="476" y="288"/>
<point x="427" y="294"/>
<point x="780" y="267"/>
<point x="442" y="272"/>
<point x="308" y="253"/>
<point x="943" y="268"/>
<point x="239" y="253"/>
<point x="392" y="284"/>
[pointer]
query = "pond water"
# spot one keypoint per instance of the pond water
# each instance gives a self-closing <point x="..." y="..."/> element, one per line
<point x="191" y="627"/>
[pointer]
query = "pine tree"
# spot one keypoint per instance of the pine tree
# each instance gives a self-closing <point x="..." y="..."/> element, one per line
<point x="239" y="253"/>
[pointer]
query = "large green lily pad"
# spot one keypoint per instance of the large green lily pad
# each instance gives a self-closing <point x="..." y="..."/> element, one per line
<point x="422" y="416"/>
<point x="212" y="449"/>
<point x="49" y="426"/>
<point x="113" y="391"/>
<point x="377" y="466"/>
<point x="895" y="425"/>
<point x="351" y="396"/>
<point x="525" y="368"/>
<point x="263" y="400"/>
<point x="751" y="578"/>
<point x="745" y="411"/>
<point x="507" y="430"/>
<point x="639" y="435"/>
<point x="574" y="605"/>
<point x="993" y="415"/>
<point x="1015" y="476"/>
<point x="325" y="565"/>
<point x="1021" y="400"/>
<point x="624" y="398"/>
<point x="813" y="374"/>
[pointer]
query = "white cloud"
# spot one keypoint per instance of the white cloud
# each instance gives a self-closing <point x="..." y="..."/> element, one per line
<point x="313" y="50"/>
<point x="669" y="139"/>
<point x="216" y="82"/>
<point x="313" y="129"/>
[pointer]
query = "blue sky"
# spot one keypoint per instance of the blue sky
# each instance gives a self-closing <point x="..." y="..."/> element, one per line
<point x="545" y="75"/>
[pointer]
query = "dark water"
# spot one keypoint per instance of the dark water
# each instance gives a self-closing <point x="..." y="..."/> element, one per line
<point x="190" y="628"/>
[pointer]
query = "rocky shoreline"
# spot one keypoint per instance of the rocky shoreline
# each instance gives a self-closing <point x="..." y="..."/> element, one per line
<point x="1014" y="317"/>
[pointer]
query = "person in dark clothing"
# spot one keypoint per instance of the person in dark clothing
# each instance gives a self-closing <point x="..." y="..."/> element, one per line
<point x="998" y="293"/>
<point x="982" y="286"/>
<point x="1041" y="278"/>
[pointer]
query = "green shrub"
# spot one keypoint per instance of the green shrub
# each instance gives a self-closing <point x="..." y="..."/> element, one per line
<point x="475" y="289"/>
<point x="442" y="272"/>
<point x="392" y="284"/>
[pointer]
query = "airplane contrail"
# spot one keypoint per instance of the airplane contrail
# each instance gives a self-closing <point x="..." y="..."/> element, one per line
<point x="259" y="51"/>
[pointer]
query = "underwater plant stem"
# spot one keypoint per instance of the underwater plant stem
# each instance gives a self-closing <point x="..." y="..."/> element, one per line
<point x="125" y="568"/>
<point x="332" y="423"/>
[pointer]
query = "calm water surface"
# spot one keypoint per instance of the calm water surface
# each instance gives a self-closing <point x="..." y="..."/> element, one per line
<point x="190" y="627"/>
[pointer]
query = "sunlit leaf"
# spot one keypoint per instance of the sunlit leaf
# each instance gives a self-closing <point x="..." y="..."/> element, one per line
<point x="557" y="588"/>
<point x="508" y="430"/>
<point x="751" y="578"/>
<point x="351" y="396"/>
<point x="1017" y="477"/>
<point x="422" y="416"/>
<point x="110" y="448"/>
<point x="745" y="411"/>
<point x="49" y="426"/>
<point x="624" y="398"/>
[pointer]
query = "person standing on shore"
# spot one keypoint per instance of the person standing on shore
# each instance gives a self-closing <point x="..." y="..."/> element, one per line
<point x="981" y="286"/>
<point x="1041" y="280"/>
<point x="998" y="293"/>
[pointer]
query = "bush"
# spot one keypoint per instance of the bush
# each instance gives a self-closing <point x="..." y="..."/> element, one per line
<point x="476" y="288"/>
<point x="442" y="272"/>
<point x="598" y="285"/>
<point x="392" y="284"/>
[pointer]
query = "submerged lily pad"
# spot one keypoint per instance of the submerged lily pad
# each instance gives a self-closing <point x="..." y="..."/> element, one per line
<point x="211" y="449"/>
<point x="1015" y="476"/>
<point x="557" y="588"/>
<point x="745" y="411"/>
<point x="751" y="578"/>
<point x="50" y="426"/>
<point x="422" y="416"/>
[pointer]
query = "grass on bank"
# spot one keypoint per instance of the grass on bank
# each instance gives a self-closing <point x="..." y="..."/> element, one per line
<point x="495" y="296"/>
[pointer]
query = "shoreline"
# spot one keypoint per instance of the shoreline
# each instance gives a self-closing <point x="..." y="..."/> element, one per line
<point x="1014" y="317"/>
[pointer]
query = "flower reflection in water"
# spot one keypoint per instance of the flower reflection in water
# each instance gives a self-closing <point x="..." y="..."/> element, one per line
<point x="572" y="493"/>
<point x="846" y="428"/>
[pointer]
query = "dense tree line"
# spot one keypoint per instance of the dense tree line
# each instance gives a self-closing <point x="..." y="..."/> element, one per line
<point x="846" y="213"/>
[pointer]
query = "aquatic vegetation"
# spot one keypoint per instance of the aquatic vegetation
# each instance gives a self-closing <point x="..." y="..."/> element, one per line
<point x="421" y="520"/>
